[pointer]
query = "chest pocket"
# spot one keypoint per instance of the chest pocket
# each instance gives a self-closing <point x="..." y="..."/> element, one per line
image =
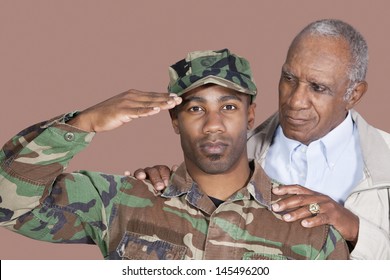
<point x="135" y="246"/>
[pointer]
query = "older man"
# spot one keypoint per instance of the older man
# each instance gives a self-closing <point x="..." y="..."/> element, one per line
<point x="318" y="141"/>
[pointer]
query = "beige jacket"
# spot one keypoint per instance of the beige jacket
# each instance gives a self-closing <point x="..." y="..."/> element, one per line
<point x="369" y="200"/>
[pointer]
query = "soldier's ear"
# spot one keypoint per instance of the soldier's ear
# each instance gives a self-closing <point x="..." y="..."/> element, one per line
<point x="174" y="120"/>
<point x="251" y="115"/>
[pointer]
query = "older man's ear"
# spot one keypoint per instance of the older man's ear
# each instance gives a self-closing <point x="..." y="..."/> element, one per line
<point x="357" y="93"/>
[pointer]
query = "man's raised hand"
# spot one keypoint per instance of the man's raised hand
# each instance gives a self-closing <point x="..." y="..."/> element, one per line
<point x="123" y="108"/>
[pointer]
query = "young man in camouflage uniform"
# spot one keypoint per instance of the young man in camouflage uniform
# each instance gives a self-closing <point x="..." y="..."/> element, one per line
<point x="217" y="205"/>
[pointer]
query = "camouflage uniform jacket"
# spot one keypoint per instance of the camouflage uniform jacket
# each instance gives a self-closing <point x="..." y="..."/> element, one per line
<point x="127" y="219"/>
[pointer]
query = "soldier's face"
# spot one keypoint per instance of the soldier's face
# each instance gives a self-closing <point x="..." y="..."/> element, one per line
<point x="312" y="87"/>
<point x="212" y="122"/>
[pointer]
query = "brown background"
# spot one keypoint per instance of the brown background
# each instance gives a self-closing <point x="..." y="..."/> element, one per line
<point x="58" y="56"/>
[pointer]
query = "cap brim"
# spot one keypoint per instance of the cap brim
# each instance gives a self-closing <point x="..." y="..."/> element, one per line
<point x="218" y="81"/>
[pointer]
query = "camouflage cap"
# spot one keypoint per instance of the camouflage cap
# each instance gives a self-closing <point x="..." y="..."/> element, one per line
<point x="218" y="67"/>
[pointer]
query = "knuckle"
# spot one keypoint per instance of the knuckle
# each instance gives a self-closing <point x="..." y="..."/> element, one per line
<point x="129" y="94"/>
<point x="162" y="168"/>
<point x="138" y="110"/>
<point x="324" y="219"/>
<point x="331" y="207"/>
<point x="147" y="104"/>
<point x="149" y="170"/>
<point x="300" y="198"/>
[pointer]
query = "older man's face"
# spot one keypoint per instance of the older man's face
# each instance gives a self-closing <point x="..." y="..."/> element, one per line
<point x="312" y="87"/>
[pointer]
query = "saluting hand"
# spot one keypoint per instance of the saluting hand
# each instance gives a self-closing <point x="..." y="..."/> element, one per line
<point x="123" y="108"/>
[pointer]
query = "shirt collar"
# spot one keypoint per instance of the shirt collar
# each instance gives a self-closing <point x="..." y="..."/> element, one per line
<point x="337" y="139"/>
<point x="286" y="145"/>
<point x="332" y="144"/>
<point x="181" y="183"/>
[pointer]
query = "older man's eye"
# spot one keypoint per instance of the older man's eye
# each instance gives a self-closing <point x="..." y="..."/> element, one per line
<point x="288" y="77"/>
<point x="318" y="88"/>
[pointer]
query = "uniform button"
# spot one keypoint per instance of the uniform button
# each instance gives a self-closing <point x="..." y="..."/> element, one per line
<point x="69" y="136"/>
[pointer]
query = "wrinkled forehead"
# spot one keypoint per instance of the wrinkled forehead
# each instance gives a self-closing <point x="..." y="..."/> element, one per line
<point x="319" y="56"/>
<point x="319" y="45"/>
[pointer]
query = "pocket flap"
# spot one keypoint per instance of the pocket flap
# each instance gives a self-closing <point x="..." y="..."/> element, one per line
<point x="135" y="246"/>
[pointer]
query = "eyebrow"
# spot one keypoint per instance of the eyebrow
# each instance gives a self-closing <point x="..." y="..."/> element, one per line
<point x="230" y="97"/>
<point x="309" y="80"/>
<point x="193" y="98"/>
<point x="203" y="100"/>
<point x="287" y="72"/>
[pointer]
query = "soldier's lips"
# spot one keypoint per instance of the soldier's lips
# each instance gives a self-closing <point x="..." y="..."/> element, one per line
<point x="213" y="147"/>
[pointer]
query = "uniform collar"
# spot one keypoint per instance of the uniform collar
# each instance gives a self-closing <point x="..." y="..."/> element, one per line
<point x="258" y="189"/>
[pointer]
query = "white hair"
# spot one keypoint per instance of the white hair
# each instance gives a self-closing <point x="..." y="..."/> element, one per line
<point x="358" y="48"/>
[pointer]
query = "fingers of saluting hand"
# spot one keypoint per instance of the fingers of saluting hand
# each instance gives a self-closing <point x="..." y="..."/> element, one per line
<point x="138" y="104"/>
<point x="122" y="108"/>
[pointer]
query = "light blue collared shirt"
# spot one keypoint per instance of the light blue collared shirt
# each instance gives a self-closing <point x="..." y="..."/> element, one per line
<point x="332" y="165"/>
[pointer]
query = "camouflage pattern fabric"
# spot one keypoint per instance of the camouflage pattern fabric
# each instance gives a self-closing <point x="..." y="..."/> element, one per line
<point x="217" y="67"/>
<point x="127" y="219"/>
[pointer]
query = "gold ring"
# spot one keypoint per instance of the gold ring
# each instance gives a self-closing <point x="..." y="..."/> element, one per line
<point x="314" y="208"/>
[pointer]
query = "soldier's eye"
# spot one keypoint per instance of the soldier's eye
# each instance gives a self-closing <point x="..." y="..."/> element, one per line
<point x="229" y="107"/>
<point x="195" y="109"/>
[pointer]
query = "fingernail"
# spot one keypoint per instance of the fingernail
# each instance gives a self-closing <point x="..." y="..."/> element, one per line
<point x="166" y="183"/>
<point x="141" y="176"/>
<point x="305" y="223"/>
<point x="287" y="217"/>
<point x="178" y="100"/>
<point x="275" y="207"/>
<point x="159" y="186"/>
